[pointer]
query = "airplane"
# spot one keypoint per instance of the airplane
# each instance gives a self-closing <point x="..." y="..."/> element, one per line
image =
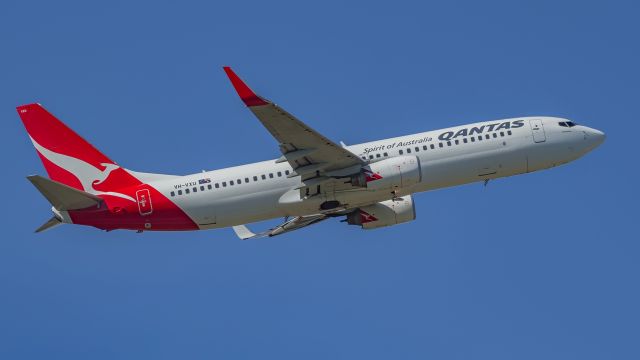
<point x="370" y="185"/>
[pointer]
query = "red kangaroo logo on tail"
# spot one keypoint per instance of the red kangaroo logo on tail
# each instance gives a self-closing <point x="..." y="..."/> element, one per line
<point x="87" y="174"/>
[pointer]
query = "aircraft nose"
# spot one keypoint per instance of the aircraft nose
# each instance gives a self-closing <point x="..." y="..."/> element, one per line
<point x="595" y="137"/>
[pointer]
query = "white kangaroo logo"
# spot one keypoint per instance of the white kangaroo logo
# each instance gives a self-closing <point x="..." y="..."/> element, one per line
<point x="88" y="174"/>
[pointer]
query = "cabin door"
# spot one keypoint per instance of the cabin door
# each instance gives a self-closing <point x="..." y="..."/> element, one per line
<point x="144" y="202"/>
<point x="538" y="130"/>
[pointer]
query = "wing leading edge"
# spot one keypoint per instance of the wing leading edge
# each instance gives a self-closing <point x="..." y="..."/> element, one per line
<point x="310" y="154"/>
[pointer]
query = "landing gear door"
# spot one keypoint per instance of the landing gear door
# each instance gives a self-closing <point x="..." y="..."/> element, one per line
<point x="538" y="130"/>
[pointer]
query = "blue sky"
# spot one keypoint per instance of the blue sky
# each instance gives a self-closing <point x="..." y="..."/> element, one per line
<point x="537" y="266"/>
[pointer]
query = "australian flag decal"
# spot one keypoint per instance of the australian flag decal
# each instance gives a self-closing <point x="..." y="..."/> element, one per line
<point x="204" y="181"/>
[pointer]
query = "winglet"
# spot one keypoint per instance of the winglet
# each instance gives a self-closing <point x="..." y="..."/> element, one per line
<point x="243" y="232"/>
<point x="246" y="94"/>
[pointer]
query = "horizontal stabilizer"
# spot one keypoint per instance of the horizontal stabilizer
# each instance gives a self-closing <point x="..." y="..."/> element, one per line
<point x="49" y="224"/>
<point x="64" y="197"/>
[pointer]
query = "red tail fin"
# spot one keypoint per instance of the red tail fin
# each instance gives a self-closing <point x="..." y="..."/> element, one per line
<point x="67" y="157"/>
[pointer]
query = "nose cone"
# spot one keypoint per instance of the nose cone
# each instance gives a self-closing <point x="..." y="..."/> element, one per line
<point x="594" y="137"/>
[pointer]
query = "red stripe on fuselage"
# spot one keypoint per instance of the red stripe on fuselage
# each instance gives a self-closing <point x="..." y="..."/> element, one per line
<point x="119" y="213"/>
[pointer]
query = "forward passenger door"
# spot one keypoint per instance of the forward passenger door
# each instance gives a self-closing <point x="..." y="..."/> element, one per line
<point x="537" y="129"/>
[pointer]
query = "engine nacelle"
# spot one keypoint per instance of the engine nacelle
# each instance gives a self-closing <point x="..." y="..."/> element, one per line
<point x="393" y="173"/>
<point x="385" y="213"/>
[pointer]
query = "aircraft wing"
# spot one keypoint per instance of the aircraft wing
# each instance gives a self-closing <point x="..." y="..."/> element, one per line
<point x="311" y="155"/>
<point x="294" y="223"/>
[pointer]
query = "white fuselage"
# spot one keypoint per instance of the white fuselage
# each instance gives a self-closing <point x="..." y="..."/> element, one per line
<point x="447" y="157"/>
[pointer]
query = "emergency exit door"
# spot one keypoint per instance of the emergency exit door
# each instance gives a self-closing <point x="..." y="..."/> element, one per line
<point x="538" y="130"/>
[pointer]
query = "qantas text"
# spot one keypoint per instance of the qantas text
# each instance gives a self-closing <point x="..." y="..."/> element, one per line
<point x="448" y="135"/>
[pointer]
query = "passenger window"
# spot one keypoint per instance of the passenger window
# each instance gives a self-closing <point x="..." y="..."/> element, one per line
<point x="239" y="181"/>
<point x="279" y="173"/>
<point x="433" y="146"/>
<point x="473" y="139"/>
<point x="502" y="133"/>
<point x="385" y="154"/>
<point x="448" y="143"/>
<point x="400" y="152"/>
<point x="209" y="186"/>
<point x="457" y="141"/>
<point x="424" y="147"/>
<point x="440" y="145"/>
<point x="479" y="138"/>
<point x="417" y="148"/>
<point x="263" y="176"/>
<point x="224" y="184"/>
<point x="378" y="155"/>
<point x="179" y="192"/>
<point x="495" y="135"/>
<point x="286" y="172"/>
<point x="255" y="178"/>
<point x="202" y="188"/>
<point x="487" y="136"/>
<point x="195" y="189"/>
<point x="408" y="150"/>
<point x="186" y="191"/>
<point x="370" y="157"/>
<point x="246" y="180"/>
<point x="230" y="182"/>
<point x="509" y="132"/>
<point x="173" y="193"/>
<point x="464" y="140"/>
<point x="270" y="175"/>
<point x="217" y="185"/>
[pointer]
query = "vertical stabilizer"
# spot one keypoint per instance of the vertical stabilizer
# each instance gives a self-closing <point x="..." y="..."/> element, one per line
<point x="68" y="158"/>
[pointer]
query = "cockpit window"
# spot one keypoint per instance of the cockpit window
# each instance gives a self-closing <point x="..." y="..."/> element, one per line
<point x="567" y="124"/>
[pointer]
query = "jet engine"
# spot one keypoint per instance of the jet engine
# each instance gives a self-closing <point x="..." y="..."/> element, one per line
<point x="392" y="173"/>
<point x="385" y="213"/>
